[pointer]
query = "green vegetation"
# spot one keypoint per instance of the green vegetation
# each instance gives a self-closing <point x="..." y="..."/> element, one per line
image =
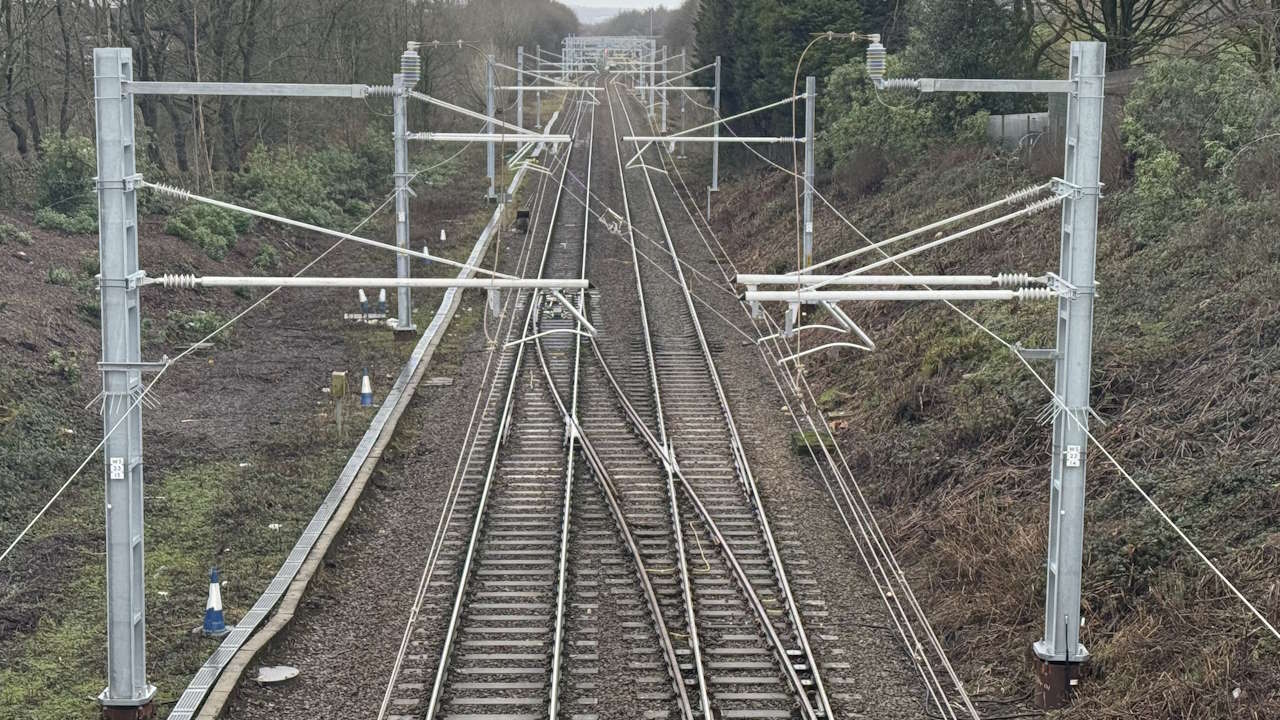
<point x="323" y="187"/>
<point x="81" y="222"/>
<point x="65" y="175"/>
<point x="267" y="260"/>
<point x="195" y="326"/>
<point x="66" y="366"/>
<point x="9" y="233"/>
<point x="213" y="229"/>
<point x="61" y="276"/>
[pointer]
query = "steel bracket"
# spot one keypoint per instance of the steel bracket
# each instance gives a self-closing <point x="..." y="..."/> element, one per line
<point x="132" y="281"/>
<point x="1036" y="353"/>
<point x="142" y="367"/>
<point x="1064" y="288"/>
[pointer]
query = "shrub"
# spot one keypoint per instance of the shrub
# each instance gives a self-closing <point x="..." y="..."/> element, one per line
<point x="81" y="222"/>
<point x="322" y="187"/>
<point x="64" y="178"/>
<point x="1184" y="124"/>
<point x="89" y="264"/>
<point x="856" y="118"/>
<point x="61" y="276"/>
<point x="195" y="326"/>
<point x="267" y="259"/>
<point x="65" y="366"/>
<point x="10" y="233"/>
<point x="213" y="229"/>
<point x="280" y="181"/>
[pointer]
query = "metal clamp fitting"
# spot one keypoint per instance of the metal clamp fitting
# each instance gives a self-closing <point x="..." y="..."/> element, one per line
<point x="127" y="183"/>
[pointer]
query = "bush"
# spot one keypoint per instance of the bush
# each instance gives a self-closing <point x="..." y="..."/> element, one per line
<point x="83" y="221"/>
<point x="857" y="119"/>
<point x="64" y="178"/>
<point x="1184" y="124"/>
<point x="66" y="366"/>
<point x="195" y="326"/>
<point x="267" y="259"/>
<point x="213" y="229"/>
<point x="61" y="276"/>
<point x="10" y="233"/>
<point x="324" y="187"/>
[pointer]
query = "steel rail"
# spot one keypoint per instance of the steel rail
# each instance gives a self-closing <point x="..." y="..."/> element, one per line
<point x="500" y="436"/>
<point x="562" y="575"/>
<point x="695" y="645"/>
<point x="470" y="440"/>
<point x="874" y="565"/>
<point x="667" y="456"/>
<point x="607" y="486"/>
<point x="745" y="476"/>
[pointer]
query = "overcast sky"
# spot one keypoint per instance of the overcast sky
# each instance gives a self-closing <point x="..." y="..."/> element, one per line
<point x="622" y="4"/>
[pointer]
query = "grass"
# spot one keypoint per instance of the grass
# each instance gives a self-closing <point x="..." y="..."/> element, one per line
<point x="1187" y="377"/>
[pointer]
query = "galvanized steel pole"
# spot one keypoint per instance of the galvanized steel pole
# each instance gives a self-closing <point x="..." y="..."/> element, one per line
<point x="538" y="125"/>
<point x="810" y="109"/>
<point x="491" y="159"/>
<point x="653" y="77"/>
<point x="1060" y="651"/>
<point x="520" y="86"/>
<point x="399" y="110"/>
<point x="664" y="90"/>
<point x="715" y="146"/>
<point x="127" y="695"/>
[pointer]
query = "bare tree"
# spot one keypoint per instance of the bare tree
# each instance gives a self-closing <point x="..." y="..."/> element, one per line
<point x="1132" y="29"/>
<point x="1255" y="25"/>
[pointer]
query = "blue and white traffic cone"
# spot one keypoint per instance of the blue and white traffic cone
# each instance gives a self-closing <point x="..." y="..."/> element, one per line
<point x="366" y="390"/>
<point x="364" y="302"/>
<point x="215" y="625"/>
<point x="382" y="301"/>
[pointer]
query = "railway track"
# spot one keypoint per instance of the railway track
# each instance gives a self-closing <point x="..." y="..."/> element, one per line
<point x="608" y="554"/>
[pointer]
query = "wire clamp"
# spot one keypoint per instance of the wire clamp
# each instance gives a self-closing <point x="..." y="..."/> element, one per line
<point x="1064" y="288"/>
<point x="127" y="183"/>
<point x="1063" y="188"/>
<point x="129" y="282"/>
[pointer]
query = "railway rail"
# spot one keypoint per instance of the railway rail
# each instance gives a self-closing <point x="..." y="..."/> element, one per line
<point x="607" y="553"/>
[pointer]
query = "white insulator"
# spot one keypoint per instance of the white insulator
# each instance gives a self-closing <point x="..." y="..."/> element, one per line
<point x="187" y="282"/>
<point x="379" y="90"/>
<point x="899" y="84"/>
<point x="1035" y="294"/>
<point x="1013" y="279"/>
<point x="1044" y="204"/>
<point x="411" y="67"/>
<point x="170" y="190"/>
<point x="876" y="58"/>
<point x="1024" y="194"/>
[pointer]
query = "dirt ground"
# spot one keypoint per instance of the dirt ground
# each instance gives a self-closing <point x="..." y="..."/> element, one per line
<point x="240" y="438"/>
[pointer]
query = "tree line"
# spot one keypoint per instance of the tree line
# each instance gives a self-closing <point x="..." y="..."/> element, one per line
<point x="761" y="41"/>
<point x="46" y="51"/>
